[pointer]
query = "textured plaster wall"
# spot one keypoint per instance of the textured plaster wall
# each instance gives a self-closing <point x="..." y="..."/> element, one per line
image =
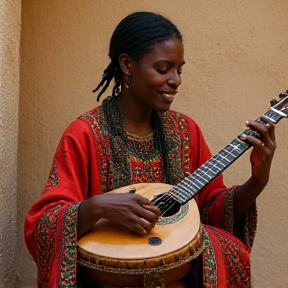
<point x="236" y="62"/>
<point x="9" y="96"/>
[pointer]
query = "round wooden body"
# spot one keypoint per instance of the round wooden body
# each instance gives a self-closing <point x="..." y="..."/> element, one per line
<point x="111" y="254"/>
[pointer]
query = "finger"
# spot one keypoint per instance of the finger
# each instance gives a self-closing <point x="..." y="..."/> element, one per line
<point x="262" y="129"/>
<point x="145" y="218"/>
<point x="154" y="209"/>
<point x="148" y="205"/>
<point x="141" y="225"/>
<point x="257" y="143"/>
<point x="142" y="200"/>
<point x="271" y="128"/>
<point x="148" y="226"/>
<point x="136" y="227"/>
<point x="150" y="214"/>
<point x="272" y="133"/>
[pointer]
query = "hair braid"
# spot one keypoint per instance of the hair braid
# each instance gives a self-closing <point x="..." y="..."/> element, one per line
<point x="107" y="76"/>
<point x="160" y="144"/>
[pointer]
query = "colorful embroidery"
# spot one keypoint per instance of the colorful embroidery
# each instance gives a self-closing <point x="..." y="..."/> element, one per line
<point x="53" y="177"/>
<point x="209" y="264"/>
<point x="69" y="246"/>
<point x="221" y="206"/>
<point x="225" y="260"/>
<point x="145" y="160"/>
<point x="228" y="209"/>
<point x="177" y="141"/>
<point x="99" y="127"/>
<point x="246" y="227"/>
<point x="132" y="166"/>
<point x="58" y="222"/>
<point x="46" y="230"/>
<point x="237" y="262"/>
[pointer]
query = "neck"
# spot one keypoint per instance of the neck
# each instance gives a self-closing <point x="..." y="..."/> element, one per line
<point x="136" y="119"/>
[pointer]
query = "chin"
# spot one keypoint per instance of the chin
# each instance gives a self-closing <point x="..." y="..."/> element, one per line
<point x="162" y="109"/>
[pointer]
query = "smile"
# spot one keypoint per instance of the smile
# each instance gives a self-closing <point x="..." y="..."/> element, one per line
<point x="169" y="96"/>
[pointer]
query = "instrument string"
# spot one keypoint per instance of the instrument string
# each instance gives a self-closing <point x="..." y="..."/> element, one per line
<point x="219" y="162"/>
<point x="183" y="188"/>
<point x="166" y="201"/>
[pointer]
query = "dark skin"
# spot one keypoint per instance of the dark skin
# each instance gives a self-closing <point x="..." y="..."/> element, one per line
<point x="261" y="160"/>
<point x="154" y="83"/>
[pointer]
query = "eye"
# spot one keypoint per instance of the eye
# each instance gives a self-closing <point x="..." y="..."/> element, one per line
<point x="162" y="71"/>
<point x="162" y="67"/>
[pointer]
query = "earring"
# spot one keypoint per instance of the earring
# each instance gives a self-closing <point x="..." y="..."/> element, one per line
<point x="128" y="81"/>
<point x="117" y="91"/>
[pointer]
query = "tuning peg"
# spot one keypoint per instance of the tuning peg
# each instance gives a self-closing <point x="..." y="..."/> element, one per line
<point x="273" y="102"/>
<point x="283" y="95"/>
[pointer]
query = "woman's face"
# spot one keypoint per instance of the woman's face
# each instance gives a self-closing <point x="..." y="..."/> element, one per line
<point x="156" y="77"/>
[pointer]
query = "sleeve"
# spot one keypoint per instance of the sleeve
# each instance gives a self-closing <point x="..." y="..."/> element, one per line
<point x="50" y="225"/>
<point x="215" y="201"/>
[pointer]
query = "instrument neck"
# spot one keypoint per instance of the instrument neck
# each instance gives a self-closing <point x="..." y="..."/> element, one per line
<point x="195" y="182"/>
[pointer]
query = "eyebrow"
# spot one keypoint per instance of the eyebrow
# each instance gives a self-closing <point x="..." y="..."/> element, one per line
<point x="169" y="62"/>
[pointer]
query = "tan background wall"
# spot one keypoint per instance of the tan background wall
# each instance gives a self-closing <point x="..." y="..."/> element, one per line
<point x="10" y="17"/>
<point x="236" y="62"/>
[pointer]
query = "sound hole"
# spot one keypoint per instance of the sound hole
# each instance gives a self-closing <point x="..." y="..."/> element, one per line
<point x="171" y="210"/>
<point x="167" y="205"/>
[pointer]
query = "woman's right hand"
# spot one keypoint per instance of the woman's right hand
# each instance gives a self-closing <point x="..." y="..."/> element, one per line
<point x="130" y="210"/>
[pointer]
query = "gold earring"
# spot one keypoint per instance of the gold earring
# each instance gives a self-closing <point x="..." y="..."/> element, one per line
<point x="128" y="81"/>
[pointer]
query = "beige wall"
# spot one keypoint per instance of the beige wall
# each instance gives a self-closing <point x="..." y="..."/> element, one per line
<point x="236" y="62"/>
<point x="10" y="18"/>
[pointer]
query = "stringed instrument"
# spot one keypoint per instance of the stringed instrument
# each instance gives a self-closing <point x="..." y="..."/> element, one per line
<point x="113" y="256"/>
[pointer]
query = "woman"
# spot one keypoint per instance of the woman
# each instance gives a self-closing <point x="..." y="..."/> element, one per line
<point x="134" y="137"/>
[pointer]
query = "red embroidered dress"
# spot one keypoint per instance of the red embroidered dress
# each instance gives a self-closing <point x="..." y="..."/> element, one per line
<point x="88" y="161"/>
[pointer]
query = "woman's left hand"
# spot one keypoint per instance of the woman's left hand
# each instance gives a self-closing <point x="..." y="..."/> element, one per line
<point x="263" y="150"/>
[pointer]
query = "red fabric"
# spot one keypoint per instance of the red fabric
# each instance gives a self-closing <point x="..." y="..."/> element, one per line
<point x="199" y="154"/>
<point x="50" y="227"/>
<point x="226" y="261"/>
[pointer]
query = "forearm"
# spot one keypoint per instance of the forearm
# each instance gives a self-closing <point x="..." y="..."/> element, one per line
<point x="87" y="216"/>
<point x="245" y="195"/>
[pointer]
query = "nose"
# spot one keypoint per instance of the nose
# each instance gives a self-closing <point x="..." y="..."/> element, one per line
<point x="174" y="79"/>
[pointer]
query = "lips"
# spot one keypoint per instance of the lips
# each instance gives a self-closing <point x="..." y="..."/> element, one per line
<point x="169" y="96"/>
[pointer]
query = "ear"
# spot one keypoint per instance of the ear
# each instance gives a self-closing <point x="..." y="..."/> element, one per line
<point x="124" y="62"/>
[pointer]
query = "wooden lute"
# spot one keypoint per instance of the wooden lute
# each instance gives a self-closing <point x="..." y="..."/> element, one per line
<point x="110" y="254"/>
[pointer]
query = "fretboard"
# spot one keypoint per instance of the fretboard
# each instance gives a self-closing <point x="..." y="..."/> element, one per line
<point x="200" y="178"/>
<point x="195" y="182"/>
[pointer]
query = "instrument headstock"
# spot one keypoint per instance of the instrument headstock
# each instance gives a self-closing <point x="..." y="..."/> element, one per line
<point x="281" y="104"/>
<point x="278" y="111"/>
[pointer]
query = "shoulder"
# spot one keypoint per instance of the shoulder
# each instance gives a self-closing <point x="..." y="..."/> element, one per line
<point x="91" y="116"/>
<point x="83" y="125"/>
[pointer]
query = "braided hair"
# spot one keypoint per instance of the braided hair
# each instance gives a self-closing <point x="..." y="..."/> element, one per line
<point x="135" y="35"/>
